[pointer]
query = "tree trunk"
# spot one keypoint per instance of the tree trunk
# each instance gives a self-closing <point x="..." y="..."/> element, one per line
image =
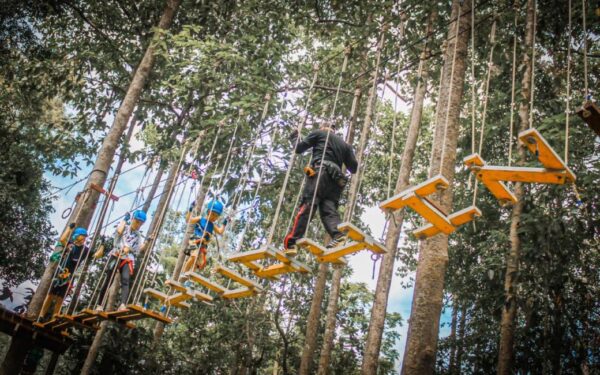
<point x="52" y="364"/>
<point x="386" y="269"/>
<point x="85" y="207"/>
<point x="506" y="357"/>
<point x="153" y="189"/>
<point x="423" y="329"/>
<point x="159" y="328"/>
<point x="312" y="321"/>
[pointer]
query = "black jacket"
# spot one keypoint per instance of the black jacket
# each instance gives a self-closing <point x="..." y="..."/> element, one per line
<point x="338" y="151"/>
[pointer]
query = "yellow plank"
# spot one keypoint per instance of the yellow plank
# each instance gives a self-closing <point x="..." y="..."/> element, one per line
<point x="375" y="246"/>
<point x="178" y="297"/>
<point x="156" y="294"/>
<point x="150" y="314"/>
<point x="274" y="270"/>
<point x="430" y="213"/>
<point x="199" y="296"/>
<point x="251" y="265"/>
<point x="209" y="284"/>
<point x="498" y="189"/>
<point x="524" y="174"/>
<point x="311" y="246"/>
<point x="239" y="293"/>
<point x="176" y="285"/>
<point x="278" y="255"/>
<point x="183" y="305"/>
<point x="227" y="272"/>
<point x="473" y="160"/>
<point x="534" y="141"/>
<point x="299" y="266"/>
<point x="338" y="252"/>
<point x="249" y="256"/>
<point x="425" y="188"/>
<point x="352" y="231"/>
<point x="457" y="219"/>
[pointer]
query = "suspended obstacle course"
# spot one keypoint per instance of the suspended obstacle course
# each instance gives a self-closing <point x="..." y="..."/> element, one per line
<point x="554" y="169"/>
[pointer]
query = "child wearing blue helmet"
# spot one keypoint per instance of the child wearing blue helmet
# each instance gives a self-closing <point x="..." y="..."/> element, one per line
<point x="204" y="227"/>
<point x="69" y="252"/>
<point x="127" y="246"/>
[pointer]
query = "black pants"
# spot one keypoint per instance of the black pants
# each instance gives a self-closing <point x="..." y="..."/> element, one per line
<point x="326" y="202"/>
<point x="126" y="276"/>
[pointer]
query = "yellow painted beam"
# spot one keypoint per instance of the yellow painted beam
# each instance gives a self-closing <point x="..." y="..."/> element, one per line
<point x="209" y="284"/>
<point x="229" y="273"/>
<point x="338" y="252"/>
<point x="534" y="141"/>
<point x="249" y="256"/>
<point x="523" y="174"/>
<point x="352" y="231"/>
<point x="239" y="293"/>
<point x="430" y="213"/>
<point x="457" y="219"/>
<point x="178" y="297"/>
<point x="156" y="294"/>
<point x="310" y="245"/>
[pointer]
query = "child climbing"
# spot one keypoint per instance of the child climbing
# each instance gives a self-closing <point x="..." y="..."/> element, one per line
<point x="68" y="252"/>
<point x="204" y="227"/>
<point x="127" y="246"/>
<point x="329" y="152"/>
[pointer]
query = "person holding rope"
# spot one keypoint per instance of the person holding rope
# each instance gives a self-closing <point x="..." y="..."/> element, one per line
<point x="204" y="227"/>
<point x="127" y="245"/>
<point x="329" y="153"/>
<point x="67" y="253"/>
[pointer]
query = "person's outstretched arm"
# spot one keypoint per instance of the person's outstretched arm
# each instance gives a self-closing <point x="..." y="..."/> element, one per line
<point x="308" y="142"/>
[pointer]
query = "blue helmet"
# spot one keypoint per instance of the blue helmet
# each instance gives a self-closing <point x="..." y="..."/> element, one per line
<point x="215" y="206"/>
<point x="139" y="215"/>
<point x="79" y="232"/>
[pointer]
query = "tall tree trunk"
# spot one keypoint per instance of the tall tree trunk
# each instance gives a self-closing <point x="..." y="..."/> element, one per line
<point x="386" y="269"/>
<point x="153" y="188"/>
<point x="423" y="329"/>
<point x="162" y="203"/>
<point x="506" y="358"/>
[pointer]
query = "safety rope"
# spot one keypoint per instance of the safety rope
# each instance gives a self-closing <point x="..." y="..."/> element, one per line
<point x="512" y="87"/>
<point x="586" y="93"/>
<point x="472" y="80"/>
<point x="532" y="96"/>
<point x="485" y="97"/>
<point x="568" y="98"/>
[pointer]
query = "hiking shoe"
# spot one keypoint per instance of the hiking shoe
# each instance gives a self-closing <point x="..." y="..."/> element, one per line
<point x="291" y="251"/>
<point x="336" y="242"/>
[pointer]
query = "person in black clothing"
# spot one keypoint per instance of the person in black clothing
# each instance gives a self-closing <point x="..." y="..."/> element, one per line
<point x="331" y="183"/>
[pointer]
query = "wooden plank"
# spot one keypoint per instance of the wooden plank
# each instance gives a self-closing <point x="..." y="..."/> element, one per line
<point x="352" y="231"/>
<point x="199" y="296"/>
<point x="249" y="256"/>
<point x="310" y="245"/>
<point x="176" y="285"/>
<point x="498" y="190"/>
<point x="524" y="174"/>
<point x="156" y="294"/>
<point x="375" y="246"/>
<point x="279" y="255"/>
<point x="150" y="314"/>
<point x="534" y="141"/>
<point x="229" y="273"/>
<point x="178" y="297"/>
<point x="590" y="114"/>
<point x="274" y="270"/>
<point x="211" y="285"/>
<point x="431" y="185"/>
<point x="430" y="213"/>
<point x="87" y="316"/>
<point x="350" y="248"/>
<point x="239" y="293"/>
<point x="252" y="266"/>
<point x="457" y="219"/>
<point x="474" y="160"/>
<point x="425" y="188"/>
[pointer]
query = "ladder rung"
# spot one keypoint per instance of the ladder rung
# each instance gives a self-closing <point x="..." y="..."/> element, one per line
<point x="430" y="213"/>
<point x="338" y="252"/>
<point x="311" y="246"/>
<point x="237" y="277"/>
<point x="457" y="219"/>
<point x="352" y="231"/>
<point x="156" y="294"/>
<point x="239" y="293"/>
<point x="534" y="141"/>
<point x="209" y="284"/>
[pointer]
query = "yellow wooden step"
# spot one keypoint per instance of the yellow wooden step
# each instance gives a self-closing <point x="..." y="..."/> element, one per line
<point x="209" y="284"/>
<point x="249" y="256"/>
<point x="429" y="212"/>
<point x="375" y="246"/>
<point x="423" y="189"/>
<point x="535" y="142"/>
<point x="340" y="251"/>
<point x="156" y="294"/>
<point x="253" y="266"/>
<point x="239" y="293"/>
<point x="281" y="268"/>
<point x="199" y="296"/>
<point x="497" y="188"/>
<point x="229" y="273"/>
<point x="457" y="219"/>
<point x="524" y="174"/>
<point x="178" y="297"/>
<point x="176" y="285"/>
<point x="310" y="245"/>
<point x="352" y="231"/>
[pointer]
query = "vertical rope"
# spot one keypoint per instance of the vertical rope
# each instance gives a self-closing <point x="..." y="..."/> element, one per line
<point x="443" y="154"/>
<point x="532" y="96"/>
<point x="472" y="79"/>
<point x="586" y="92"/>
<point x="512" y="89"/>
<point x="568" y="99"/>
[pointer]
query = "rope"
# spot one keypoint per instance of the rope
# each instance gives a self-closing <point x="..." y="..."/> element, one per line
<point x="451" y="90"/>
<point x="568" y="99"/>
<point x="512" y="89"/>
<point x="293" y="157"/>
<point x="585" y="56"/>
<point x="531" y="99"/>
<point x="485" y="97"/>
<point x="395" y="118"/>
<point x="472" y="80"/>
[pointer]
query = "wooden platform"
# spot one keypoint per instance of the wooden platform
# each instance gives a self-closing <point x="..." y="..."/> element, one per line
<point x="457" y="219"/>
<point x="249" y="289"/>
<point x="590" y="114"/>
<point x="135" y="312"/>
<point x="554" y="170"/>
<point x="268" y="254"/>
<point x="64" y="322"/>
<point x="16" y="325"/>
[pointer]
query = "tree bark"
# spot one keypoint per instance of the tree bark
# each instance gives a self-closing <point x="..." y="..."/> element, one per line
<point x="452" y="338"/>
<point x="423" y="329"/>
<point x="153" y="189"/>
<point x="386" y="269"/>
<point x="506" y="356"/>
